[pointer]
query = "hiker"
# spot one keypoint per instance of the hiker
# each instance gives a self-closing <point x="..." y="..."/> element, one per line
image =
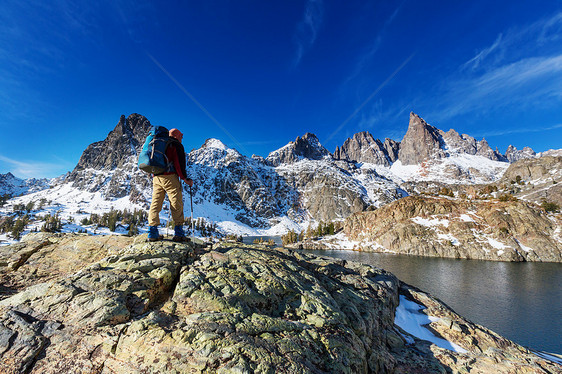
<point x="169" y="183"/>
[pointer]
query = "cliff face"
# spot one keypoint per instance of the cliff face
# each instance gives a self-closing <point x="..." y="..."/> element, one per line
<point x="157" y="307"/>
<point x="439" y="227"/>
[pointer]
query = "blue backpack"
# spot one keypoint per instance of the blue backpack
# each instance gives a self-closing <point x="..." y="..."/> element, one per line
<point x="152" y="158"/>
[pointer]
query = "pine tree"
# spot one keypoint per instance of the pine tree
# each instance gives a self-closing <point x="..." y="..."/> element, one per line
<point x="331" y="229"/>
<point x="18" y="228"/>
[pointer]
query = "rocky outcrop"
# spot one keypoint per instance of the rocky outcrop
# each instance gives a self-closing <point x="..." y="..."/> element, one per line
<point x="496" y="353"/>
<point x="155" y="307"/>
<point x="306" y="147"/>
<point x="535" y="179"/>
<point x="42" y="257"/>
<point x="545" y="168"/>
<point x="421" y="142"/>
<point x="455" y="228"/>
<point x="364" y="148"/>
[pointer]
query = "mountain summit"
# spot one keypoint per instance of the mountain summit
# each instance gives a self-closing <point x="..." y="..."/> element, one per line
<point x="307" y="147"/>
<point x="362" y="147"/>
<point x="421" y="142"/>
<point x="110" y="165"/>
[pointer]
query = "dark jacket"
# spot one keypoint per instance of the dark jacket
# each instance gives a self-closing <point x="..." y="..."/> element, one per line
<point x="176" y="154"/>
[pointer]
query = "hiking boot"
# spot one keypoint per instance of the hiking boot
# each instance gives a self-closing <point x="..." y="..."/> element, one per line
<point x="179" y="234"/>
<point x="153" y="234"/>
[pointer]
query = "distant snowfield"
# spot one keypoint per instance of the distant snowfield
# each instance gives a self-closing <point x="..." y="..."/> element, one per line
<point x="481" y="170"/>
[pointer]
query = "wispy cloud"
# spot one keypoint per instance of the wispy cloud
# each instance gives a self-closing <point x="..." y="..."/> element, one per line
<point x="474" y="62"/>
<point x="522" y="68"/>
<point x="512" y="45"/>
<point x="307" y="29"/>
<point x="31" y="169"/>
<point x="525" y="130"/>
<point x="531" y="81"/>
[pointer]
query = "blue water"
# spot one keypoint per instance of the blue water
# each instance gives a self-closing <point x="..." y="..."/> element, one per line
<point x="521" y="301"/>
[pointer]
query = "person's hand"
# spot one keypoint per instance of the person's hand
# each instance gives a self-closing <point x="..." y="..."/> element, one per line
<point x="189" y="182"/>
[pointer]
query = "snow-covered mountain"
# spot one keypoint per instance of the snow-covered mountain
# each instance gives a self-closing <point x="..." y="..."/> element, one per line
<point x="13" y="186"/>
<point x="110" y="166"/>
<point x="293" y="186"/>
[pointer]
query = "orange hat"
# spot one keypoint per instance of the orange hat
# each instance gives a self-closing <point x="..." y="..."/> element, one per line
<point x="175" y="133"/>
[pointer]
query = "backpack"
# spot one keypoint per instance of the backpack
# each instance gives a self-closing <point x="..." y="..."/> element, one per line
<point x="152" y="158"/>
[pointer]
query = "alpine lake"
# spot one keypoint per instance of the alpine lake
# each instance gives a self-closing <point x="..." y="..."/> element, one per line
<point x="519" y="300"/>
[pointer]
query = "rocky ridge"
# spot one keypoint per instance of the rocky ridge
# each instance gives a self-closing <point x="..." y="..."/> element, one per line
<point x="157" y="307"/>
<point x="424" y="142"/>
<point x="299" y="183"/>
<point x="457" y="228"/>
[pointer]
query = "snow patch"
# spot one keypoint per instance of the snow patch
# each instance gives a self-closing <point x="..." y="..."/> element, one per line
<point x="431" y="222"/>
<point x="450" y="238"/>
<point x="410" y="319"/>
<point x="554" y="358"/>
<point x="496" y="244"/>
<point x="466" y="218"/>
<point x="523" y="247"/>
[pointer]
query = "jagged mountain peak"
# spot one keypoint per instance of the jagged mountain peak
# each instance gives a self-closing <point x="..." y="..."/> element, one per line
<point x="306" y="147"/>
<point x="110" y="165"/>
<point x="421" y="142"/>
<point x="513" y="154"/>
<point x="8" y="176"/>
<point x="364" y="148"/>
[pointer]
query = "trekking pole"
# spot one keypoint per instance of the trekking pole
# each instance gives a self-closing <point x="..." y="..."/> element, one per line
<point x="192" y="224"/>
<point x="169" y="219"/>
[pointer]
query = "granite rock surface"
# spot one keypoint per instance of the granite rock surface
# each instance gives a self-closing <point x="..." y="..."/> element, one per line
<point x="161" y="308"/>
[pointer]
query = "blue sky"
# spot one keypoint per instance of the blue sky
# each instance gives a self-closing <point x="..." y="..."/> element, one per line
<point x="257" y="74"/>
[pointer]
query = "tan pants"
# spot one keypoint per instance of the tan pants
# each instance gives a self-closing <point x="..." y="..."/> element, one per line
<point x="162" y="185"/>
